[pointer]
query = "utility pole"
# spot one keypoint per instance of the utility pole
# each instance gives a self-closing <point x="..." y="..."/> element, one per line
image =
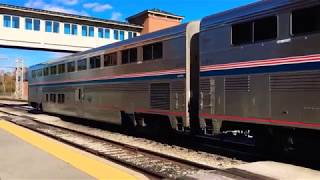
<point x="19" y="78"/>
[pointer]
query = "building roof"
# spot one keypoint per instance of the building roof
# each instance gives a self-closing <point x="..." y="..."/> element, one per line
<point x="66" y="15"/>
<point x="156" y="11"/>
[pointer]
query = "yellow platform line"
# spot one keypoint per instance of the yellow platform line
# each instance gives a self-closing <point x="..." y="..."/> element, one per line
<point x="92" y="167"/>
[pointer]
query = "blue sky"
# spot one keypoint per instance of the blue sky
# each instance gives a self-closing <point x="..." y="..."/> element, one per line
<point x="112" y="9"/>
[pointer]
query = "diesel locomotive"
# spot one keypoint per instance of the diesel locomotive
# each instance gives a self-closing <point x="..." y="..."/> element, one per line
<point x="252" y="69"/>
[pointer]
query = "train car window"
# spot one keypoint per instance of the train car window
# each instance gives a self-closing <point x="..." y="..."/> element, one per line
<point x="242" y="33"/>
<point x="61" y="68"/>
<point x="53" y="98"/>
<point x="82" y="64"/>
<point x="110" y="59"/>
<point x="147" y="52"/>
<point x="60" y="98"/>
<point x="47" y="97"/>
<point x="129" y="56"/>
<point x="152" y="51"/>
<point x="71" y="66"/>
<point x="34" y="74"/>
<point x="53" y="70"/>
<point x="46" y="71"/>
<point x="95" y="62"/>
<point x="306" y="20"/>
<point x="39" y="73"/>
<point x="266" y="29"/>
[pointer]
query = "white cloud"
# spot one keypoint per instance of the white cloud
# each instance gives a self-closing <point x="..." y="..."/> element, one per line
<point x="97" y="7"/>
<point x="116" y="16"/>
<point x="69" y="2"/>
<point x="40" y="4"/>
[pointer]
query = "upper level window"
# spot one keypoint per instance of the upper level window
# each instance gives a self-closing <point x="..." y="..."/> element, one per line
<point x="135" y="34"/>
<point x="33" y="74"/>
<point x="39" y="73"/>
<point x="71" y="66"/>
<point x="15" y="22"/>
<point x="100" y="32"/>
<point x="95" y="62"/>
<point x="74" y="30"/>
<point x="7" y="21"/>
<point x="121" y="35"/>
<point x="107" y="33"/>
<point x="46" y="71"/>
<point x="82" y="64"/>
<point x="116" y="34"/>
<point x="306" y="20"/>
<point x="255" y="31"/>
<point x="61" y="68"/>
<point x="84" y="30"/>
<point x="48" y="26"/>
<point x="91" y="31"/>
<point x="53" y="70"/>
<point x="110" y="59"/>
<point x="130" y="35"/>
<point x="36" y="24"/>
<point x="67" y="28"/>
<point x="152" y="51"/>
<point x="129" y="56"/>
<point x="56" y="26"/>
<point x="29" y="24"/>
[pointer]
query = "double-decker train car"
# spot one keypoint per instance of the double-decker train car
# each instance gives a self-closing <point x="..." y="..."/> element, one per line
<point x="140" y="81"/>
<point x="252" y="69"/>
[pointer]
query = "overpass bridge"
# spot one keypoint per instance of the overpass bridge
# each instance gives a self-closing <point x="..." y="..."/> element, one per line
<point x="29" y="28"/>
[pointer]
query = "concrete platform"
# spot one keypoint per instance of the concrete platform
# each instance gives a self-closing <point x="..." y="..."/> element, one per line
<point x="28" y="155"/>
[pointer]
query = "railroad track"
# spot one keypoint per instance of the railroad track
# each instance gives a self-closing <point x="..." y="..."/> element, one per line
<point x="153" y="163"/>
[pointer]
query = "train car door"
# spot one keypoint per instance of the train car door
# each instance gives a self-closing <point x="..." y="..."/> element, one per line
<point x="79" y="101"/>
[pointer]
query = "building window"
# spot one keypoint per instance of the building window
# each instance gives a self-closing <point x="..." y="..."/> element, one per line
<point x="46" y="71"/>
<point x="7" y="21"/>
<point x="67" y="29"/>
<point x="306" y="21"/>
<point x="82" y="64"/>
<point x="71" y="66"/>
<point x="53" y="98"/>
<point x="36" y="24"/>
<point x="129" y="56"/>
<point x="110" y="59"/>
<point x="53" y="70"/>
<point x="100" y="32"/>
<point x="61" y="68"/>
<point x="95" y="62"/>
<point x="60" y="98"/>
<point x="130" y="35"/>
<point x="56" y="26"/>
<point x="91" y="31"/>
<point x="15" y="22"/>
<point x="107" y="33"/>
<point x="48" y="26"/>
<point x="121" y="35"/>
<point x="116" y="34"/>
<point x="28" y="24"/>
<point x="152" y="51"/>
<point x="84" y="30"/>
<point x="74" y="30"/>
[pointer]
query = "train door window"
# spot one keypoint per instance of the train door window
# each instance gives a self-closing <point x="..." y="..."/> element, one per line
<point x="46" y="71"/>
<point x="242" y="33"/>
<point x="129" y="56"/>
<point x="53" y="70"/>
<point x="53" y="98"/>
<point x="266" y="29"/>
<point x="71" y="66"/>
<point x="306" y="20"/>
<point x="82" y="64"/>
<point x="110" y="59"/>
<point x="61" y="68"/>
<point x="95" y="62"/>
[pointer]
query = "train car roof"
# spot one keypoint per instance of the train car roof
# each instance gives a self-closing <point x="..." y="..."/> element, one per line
<point x="244" y="12"/>
<point x="147" y="37"/>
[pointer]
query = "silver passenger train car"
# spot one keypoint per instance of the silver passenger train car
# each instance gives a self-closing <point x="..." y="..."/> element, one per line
<point x="253" y="68"/>
<point x="128" y="82"/>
